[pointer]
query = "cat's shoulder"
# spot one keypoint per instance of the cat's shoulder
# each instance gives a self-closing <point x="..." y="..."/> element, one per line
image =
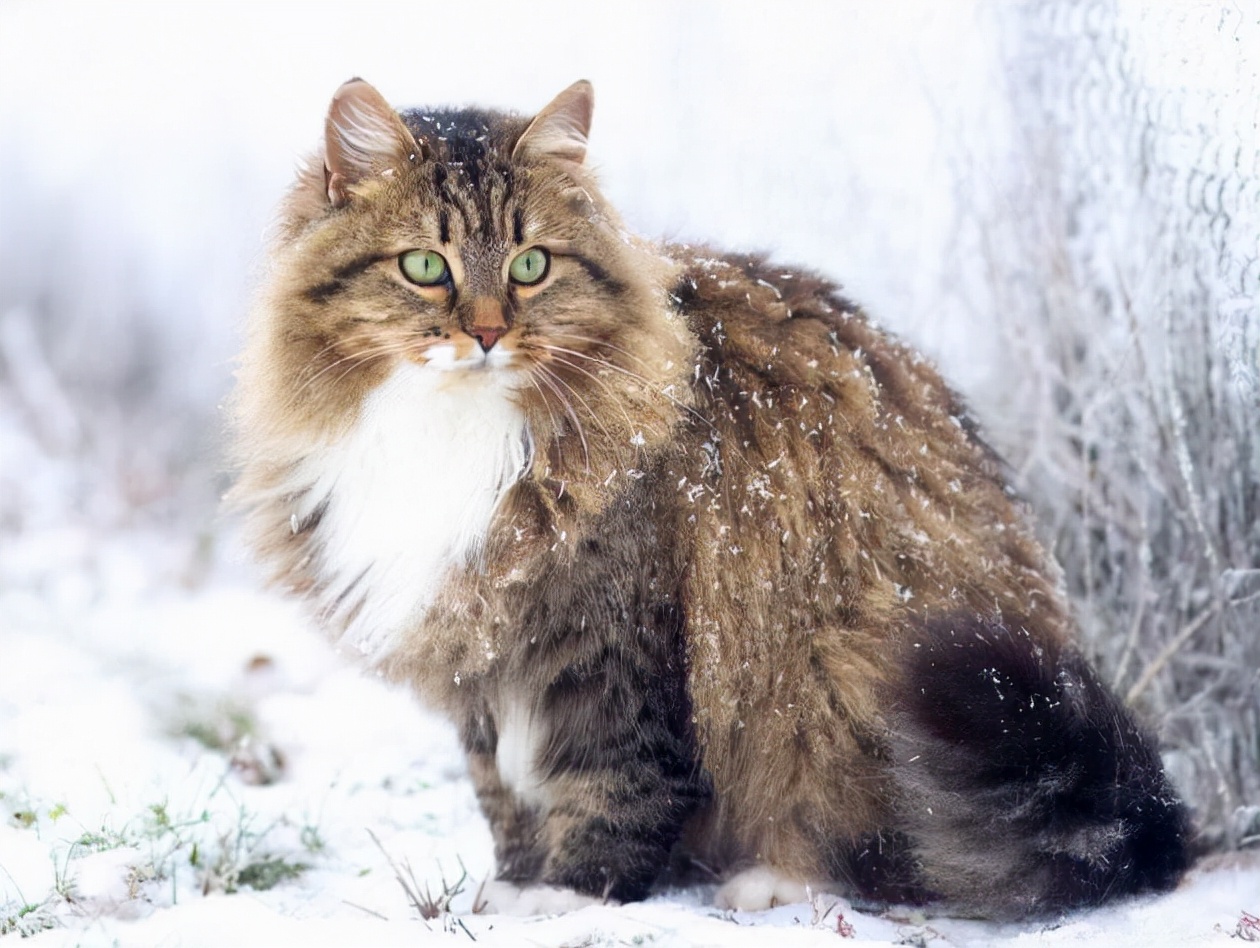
<point x="715" y="287"/>
<point x="775" y="325"/>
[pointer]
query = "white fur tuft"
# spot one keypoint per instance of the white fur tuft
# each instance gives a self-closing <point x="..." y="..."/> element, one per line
<point x="408" y="493"/>
<point x="763" y="887"/>
<point x="497" y="897"/>
<point x="520" y="739"/>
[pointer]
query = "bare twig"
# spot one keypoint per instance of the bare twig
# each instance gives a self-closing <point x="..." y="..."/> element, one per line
<point x="1248" y="928"/>
<point x="429" y="906"/>
<point x="480" y="903"/>
<point x="1130" y="640"/>
<point x="364" y="908"/>
<point x="1168" y="651"/>
<point x="36" y="382"/>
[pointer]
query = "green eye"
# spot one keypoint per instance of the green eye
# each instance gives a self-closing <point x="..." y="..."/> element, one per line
<point x="423" y="267"/>
<point x="530" y="266"/>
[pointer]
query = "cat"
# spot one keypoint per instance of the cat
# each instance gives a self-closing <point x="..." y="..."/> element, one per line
<point x="713" y="576"/>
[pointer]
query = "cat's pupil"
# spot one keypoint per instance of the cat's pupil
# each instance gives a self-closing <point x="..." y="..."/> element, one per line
<point x="530" y="266"/>
<point x="423" y="267"/>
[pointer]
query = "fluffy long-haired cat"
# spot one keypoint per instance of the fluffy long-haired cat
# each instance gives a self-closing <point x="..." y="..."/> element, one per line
<point x="708" y="570"/>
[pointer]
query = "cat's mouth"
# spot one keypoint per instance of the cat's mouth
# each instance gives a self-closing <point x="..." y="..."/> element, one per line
<point x="446" y="357"/>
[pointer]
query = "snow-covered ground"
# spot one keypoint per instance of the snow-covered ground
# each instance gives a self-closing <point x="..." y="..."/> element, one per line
<point x="183" y="760"/>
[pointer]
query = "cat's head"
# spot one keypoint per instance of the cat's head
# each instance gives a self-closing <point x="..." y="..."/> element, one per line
<point x="465" y="242"/>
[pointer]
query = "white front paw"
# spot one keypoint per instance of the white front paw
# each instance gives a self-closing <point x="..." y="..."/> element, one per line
<point x="497" y="897"/>
<point x="763" y="887"/>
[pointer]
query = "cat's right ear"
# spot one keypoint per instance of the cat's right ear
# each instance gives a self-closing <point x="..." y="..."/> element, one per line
<point x="363" y="136"/>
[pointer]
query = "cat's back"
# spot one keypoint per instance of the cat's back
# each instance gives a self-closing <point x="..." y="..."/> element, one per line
<point x="798" y="389"/>
<point x="772" y="331"/>
<point x="834" y="482"/>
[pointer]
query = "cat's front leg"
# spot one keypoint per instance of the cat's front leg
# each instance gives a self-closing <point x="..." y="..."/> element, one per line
<point x="518" y="856"/>
<point x="603" y="762"/>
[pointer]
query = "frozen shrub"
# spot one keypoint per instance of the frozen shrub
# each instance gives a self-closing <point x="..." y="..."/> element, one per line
<point x="1119" y="256"/>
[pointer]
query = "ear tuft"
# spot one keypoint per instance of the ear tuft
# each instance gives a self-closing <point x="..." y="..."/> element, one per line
<point x="363" y="136"/>
<point x="560" y="130"/>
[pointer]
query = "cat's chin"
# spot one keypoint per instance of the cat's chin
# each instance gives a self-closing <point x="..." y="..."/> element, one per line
<point x="764" y="887"/>
<point x="447" y="358"/>
<point x="497" y="897"/>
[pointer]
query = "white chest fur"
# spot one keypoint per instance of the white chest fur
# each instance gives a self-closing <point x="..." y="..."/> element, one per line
<point x="408" y="493"/>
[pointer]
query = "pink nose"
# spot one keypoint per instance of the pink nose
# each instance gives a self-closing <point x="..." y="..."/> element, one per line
<point x="487" y="336"/>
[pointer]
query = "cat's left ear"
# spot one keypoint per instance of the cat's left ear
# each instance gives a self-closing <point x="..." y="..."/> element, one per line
<point x="561" y="129"/>
<point x="363" y="136"/>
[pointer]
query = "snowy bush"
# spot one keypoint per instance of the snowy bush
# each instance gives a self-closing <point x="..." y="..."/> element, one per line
<point x="1120" y="258"/>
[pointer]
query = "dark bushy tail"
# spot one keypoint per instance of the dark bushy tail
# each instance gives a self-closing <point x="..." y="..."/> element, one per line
<point x="1024" y="786"/>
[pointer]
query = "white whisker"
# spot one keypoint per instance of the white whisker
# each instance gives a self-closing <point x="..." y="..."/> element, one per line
<point x="647" y="383"/>
<point x="357" y="359"/>
<point x="549" y="379"/>
<point x="603" y="344"/>
<point x="608" y="389"/>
